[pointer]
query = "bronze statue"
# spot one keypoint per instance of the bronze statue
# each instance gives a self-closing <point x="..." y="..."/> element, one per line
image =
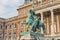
<point x="30" y="19"/>
<point x="37" y="25"/>
<point x="34" y="23"/>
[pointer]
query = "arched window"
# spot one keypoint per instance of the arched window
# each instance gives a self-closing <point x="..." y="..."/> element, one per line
<point x="14" y="25"/>
<point x="9" y="26"/>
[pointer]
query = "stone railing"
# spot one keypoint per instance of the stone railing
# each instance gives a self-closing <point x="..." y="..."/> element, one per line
<point x="48" y="4"/>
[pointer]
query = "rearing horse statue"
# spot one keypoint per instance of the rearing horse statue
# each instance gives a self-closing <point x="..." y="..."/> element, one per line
<point x="34" y="23"/>
<point x="30" y="19"/>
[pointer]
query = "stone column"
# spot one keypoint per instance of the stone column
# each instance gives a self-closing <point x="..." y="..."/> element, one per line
<point x="57" y="23"/>
<point x="42" y="21"/>
<point x="52" y="23"/>
<point x="52" y="17"/>
<point x="41" y="16"/>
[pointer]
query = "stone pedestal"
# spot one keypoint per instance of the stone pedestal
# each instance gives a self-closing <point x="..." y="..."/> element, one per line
<point x="32" y="36"/>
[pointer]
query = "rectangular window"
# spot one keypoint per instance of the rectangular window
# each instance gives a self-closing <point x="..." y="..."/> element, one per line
<point x="1" y="36"/>
<point x="15" y="36"/>
<point x="0" y="26"/>
<point x="6" y="27"/>
<point x="30" y="0"/>
<point x="5" y="36"/>
<point x="9" y="36"/>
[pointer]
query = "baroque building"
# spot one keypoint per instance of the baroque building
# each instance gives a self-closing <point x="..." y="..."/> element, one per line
<point x="49" y="11"/>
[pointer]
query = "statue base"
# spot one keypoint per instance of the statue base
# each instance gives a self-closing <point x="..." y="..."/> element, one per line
<point x="32" y="36"/>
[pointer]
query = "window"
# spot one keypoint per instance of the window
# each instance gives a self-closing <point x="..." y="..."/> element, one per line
<point x="58" y="39"/>
<point x="0" y="36"/>
<point x="6" y="26"/>
<point x="52" y="38"/>
<point x="0" y="26"/>
<point x="5" y="34"/>
<point x="14" y="25"/>
<point x="10" y="36"/>
<point x="5" y="37"/>
<point x="10" y="26"/>
<point x="30" y="0"/>
<point x="21" y="28"/>
<point x="14" y="35"/>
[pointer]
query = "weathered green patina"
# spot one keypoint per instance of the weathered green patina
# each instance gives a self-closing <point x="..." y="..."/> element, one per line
<point x="30" y="19"/>
<point x="33" y="23"/>
<point x="37" y="25"/>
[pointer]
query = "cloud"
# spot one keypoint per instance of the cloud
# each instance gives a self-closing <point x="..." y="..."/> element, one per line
<point x="8" y="7"/>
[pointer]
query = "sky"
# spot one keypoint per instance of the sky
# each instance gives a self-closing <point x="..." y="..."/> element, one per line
<point x="8" y="8"/>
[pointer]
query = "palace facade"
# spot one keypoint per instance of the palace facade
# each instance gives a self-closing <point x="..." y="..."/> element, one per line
<point x="50" y="15"/>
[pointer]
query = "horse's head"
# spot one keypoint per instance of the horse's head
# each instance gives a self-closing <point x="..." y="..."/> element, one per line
<point x="32" y="12"/>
